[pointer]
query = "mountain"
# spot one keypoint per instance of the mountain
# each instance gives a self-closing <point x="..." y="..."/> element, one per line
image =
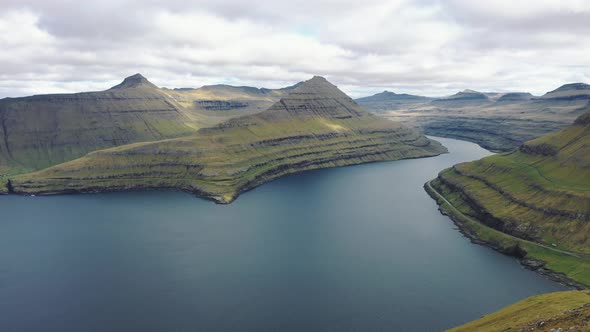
<point x="136" y="81"/>
<point x="44" y="130"/>
<point x="539" y="193"/>
<point x="40" y="131"/>
<point x="568" y="92"/>
<point x="387" y="100"/>
<point x="559" y="311"/>
<point x="515" y="97"/>
<point x="496" y="121"/>
<point x="314" y="126"/>
<point x="463" y="98"/>
<point x="388" y="96"/>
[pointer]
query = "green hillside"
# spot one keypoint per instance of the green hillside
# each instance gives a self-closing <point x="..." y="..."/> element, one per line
<point x="539" y="193"/>
<point x="44" y="130"/>
<point x="41" y="131"/>
<point x="563" y="311"/>
<point x="314" y="126"/>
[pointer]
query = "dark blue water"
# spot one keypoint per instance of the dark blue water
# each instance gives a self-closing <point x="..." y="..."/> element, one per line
<point x="354" y="248"/>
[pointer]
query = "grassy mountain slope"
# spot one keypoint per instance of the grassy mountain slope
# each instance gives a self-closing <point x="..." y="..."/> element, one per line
<point x="314" y="126"/>
<point x="44" y="130"/>
<point x="499" y="122"/>
<point x="540" y="193"/>
<point x="40" y="131"/>
<point x="566" y="311"/>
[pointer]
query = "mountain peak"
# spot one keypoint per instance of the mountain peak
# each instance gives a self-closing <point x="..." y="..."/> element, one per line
<point x="134" y="81"/>
<point x="315" y="97"/>
<point x="318" y="78"/>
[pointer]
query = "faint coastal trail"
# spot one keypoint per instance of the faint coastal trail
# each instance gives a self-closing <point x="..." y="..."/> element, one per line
<point x="569" y="253"/>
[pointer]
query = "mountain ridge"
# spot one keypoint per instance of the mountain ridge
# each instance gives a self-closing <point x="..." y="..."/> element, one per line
<point x="47" y="129"/>
<point x="315" y="126"/>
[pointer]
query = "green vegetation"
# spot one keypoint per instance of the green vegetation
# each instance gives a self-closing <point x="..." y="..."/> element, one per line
<point x="41" y="131"/>
<point x="538" y="194"/>
<point x="575" y="268"/>
<point x="3" y="185"/>
<point x="315" y="126"/>
<point x="567" y="311"/>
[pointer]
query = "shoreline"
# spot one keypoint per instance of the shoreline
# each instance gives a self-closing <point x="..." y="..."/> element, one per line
<point x="220" y="197"/>
<point x="517" y="252"/>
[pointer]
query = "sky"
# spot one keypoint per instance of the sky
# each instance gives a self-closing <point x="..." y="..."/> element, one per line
<point x="424" y="47"/>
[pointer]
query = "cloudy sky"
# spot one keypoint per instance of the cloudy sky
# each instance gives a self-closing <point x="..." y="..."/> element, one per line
<point x="425" y="47"/>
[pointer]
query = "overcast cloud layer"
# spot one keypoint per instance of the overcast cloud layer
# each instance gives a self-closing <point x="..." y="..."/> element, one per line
<point x="422" y="47"/>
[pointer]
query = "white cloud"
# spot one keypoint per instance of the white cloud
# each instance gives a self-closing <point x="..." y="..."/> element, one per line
<point x="427" y="47"/>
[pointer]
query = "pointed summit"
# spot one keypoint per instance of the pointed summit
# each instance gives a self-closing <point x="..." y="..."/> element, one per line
<point x="315" y="98"/>
<point x="469" y="91"/>
<point x="135" y="81"/>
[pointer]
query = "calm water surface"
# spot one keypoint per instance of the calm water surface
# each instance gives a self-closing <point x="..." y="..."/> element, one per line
<point x="354" y="248"/>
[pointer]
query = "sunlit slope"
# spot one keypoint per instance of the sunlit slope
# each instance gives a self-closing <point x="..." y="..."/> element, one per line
<point x="44" y="130"/>
<point x="563" y="311"/>
<point x="540" y="192"/>
<point x="315" y="126"/>
<point x="212" y="104"/>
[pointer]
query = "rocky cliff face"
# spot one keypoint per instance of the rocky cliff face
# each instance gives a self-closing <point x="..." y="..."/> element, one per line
<point x="314" y="126"/>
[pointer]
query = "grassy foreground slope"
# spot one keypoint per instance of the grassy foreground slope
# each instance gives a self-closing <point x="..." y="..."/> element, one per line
<point x="568" y="311"/>
<point x="314" y="126"/>
<point x="539" y="193"/>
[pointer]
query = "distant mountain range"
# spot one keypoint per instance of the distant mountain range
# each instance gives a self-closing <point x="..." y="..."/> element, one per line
<point x="496" y="121"/>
